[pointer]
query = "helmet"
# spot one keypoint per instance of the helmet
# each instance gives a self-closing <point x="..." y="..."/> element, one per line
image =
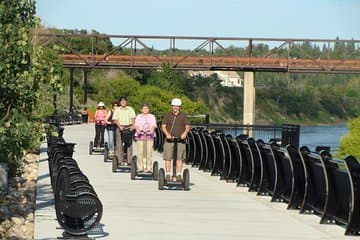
<point x="176" y="102"/>
<point x="101" y="104"/>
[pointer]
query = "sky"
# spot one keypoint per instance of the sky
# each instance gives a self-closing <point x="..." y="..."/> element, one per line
<point x="324" y="19"/>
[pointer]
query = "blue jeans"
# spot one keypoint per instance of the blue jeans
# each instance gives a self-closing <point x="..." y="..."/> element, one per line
<point x="111" y="134"/>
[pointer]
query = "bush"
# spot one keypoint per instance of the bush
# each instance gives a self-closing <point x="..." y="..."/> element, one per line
<point x="349" y="144"/>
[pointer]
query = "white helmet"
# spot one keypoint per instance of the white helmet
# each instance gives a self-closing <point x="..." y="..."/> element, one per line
<point x="101" y="104"/>
<point x="176" y="102"/>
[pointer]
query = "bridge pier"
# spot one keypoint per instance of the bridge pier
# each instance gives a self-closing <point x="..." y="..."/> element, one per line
<point x="71" y="107"/>
<point x="249" y="101"/>
<point x="85" y="85"/>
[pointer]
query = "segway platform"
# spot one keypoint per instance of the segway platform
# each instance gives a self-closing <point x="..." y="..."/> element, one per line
<point x="123" y="166"/>
<point x="154" y="174"/>
<point x="184" y="184"/>
<point x="107" y="155"/>
<point x="93" y="149"/>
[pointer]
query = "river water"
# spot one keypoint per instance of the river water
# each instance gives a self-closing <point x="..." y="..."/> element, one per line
<point x="313" y="136"/>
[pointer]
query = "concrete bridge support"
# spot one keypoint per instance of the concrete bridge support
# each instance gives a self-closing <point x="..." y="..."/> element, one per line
<point x="71" y="107"/>
<point x="249" y="101"/>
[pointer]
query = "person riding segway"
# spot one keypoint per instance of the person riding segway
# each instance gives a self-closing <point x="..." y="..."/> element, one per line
<point x="109" y="152"/>
<point x="124" y="118"/>
<point x="175" y="126"/>
<point x="100" y="122"/>
<point x="145" y="124"/>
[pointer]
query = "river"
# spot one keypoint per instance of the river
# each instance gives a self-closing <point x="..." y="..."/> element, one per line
<point x="330" y="135"/>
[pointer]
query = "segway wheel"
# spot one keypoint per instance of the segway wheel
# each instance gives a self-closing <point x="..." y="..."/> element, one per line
<point x="114" y="164"/>
<point x="156" y="171"/>
<point x="91" y="146"/>
<point x="161" y="181"/>
<point x="133" y="168"/>
<point x="186" y="179"/>
<point x="106" y="154"/>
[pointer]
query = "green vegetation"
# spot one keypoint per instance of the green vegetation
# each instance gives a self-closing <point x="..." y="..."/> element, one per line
<point x="24" y="68"/>
<point x="349" y="144"/>
<point x="159" y="98"/>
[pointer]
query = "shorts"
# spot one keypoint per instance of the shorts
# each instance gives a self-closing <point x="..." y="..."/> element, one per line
<point x="168" y="153"/>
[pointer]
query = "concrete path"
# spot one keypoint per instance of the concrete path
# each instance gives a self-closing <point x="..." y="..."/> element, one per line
<point x="137" y="210"/>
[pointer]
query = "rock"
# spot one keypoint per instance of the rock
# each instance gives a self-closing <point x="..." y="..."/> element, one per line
<point x="18" y="220"/>
<point x="18" y="205"/>
<point x="4" y="211"/>
<point x="22" y="200"/>
<point x="30" y="195"/>
<point x="29" y="215"/>
<point x="21" y="210"/>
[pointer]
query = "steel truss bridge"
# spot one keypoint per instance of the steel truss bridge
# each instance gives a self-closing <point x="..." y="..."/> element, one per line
<point x="208" y="53"/>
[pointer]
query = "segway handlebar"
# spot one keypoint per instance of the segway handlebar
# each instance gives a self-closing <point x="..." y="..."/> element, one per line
<point x="148" y="133"/>
<point x="175" y="139"/>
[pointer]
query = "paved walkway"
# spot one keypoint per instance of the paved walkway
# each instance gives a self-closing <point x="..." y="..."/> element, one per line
<point x="137" y="210"/>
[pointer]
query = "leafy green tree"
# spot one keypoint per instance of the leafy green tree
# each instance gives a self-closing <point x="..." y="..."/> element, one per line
<point x="83" y="44"/>
<point x="168" y="79"/>
<point x="349" y="144"/>
<point x="23" y="68"/>
<point x="109" y="90"/>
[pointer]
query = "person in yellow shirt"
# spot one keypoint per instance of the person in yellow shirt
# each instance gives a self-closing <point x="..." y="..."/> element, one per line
<point x="124" y="118"/>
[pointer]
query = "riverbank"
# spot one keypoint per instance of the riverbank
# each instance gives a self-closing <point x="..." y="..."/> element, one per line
<point x="18" y="205"/>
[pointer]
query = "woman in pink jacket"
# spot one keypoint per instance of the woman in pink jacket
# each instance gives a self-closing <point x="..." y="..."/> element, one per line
<point x="145" y="123"/>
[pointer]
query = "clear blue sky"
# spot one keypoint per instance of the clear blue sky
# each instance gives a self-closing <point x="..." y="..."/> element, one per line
<point x="226" y="18"/>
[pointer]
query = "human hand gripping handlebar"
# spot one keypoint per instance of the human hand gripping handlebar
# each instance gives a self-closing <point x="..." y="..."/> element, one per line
<point x="175" y="139"/>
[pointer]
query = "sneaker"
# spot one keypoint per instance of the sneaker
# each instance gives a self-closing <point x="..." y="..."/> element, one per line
<point x="167" y="178"/>
<point x="178" y="178"/>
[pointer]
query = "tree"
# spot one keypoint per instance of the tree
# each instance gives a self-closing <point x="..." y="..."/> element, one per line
<point x="23" y="68"/>
<point x="168" y="79"/>
<point x="349" y="144"/>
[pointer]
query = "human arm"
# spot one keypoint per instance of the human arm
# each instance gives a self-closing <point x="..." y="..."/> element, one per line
<point x="132" y="119"/>
<point x="165" y="131"/>
<point x="184" y="134"/>
<point x="107" y="118"/>
<point x="116" y="119"/>
<point x="137" y="124"/>
<point x="153" y="124"/>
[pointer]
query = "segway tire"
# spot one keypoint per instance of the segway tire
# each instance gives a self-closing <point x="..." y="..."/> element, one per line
<point x="161" y="182"/>
<point x="114" y="164"/>
<point x="133" y="168"/>
<point x="156" y="171"/>
<point x="91" y="146"/>
<point x="186" y="179"/>
<point x="106" y="154"/>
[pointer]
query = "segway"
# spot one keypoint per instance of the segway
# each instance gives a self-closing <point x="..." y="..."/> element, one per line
<point x="107" y="155"/>
<point x="122" y="164"/>
<point x="93" y="149"/>
<point x="135" y="173"/>
<point x="184" y="183"/>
